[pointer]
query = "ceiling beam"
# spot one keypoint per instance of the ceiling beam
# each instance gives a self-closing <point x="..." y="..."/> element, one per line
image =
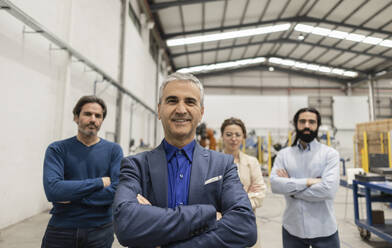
<point x="376" y="75"/>
<point x="163" y="5"/>
<point x="270" y="87"/>
<point x="275" y="41"/>
<point x="290" y="19"/>
<point x="361" y="73"/>
<point x="231" y="27"/>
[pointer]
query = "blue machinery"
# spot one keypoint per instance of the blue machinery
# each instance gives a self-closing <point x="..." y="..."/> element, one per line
<point x="367" y="226"/>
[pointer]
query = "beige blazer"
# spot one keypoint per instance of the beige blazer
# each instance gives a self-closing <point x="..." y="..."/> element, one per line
<point x="249" y="171"/>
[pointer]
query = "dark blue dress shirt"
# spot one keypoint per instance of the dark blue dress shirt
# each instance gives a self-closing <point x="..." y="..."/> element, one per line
<point x="179" y="164"/>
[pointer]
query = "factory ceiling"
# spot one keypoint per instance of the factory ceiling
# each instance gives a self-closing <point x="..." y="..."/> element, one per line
<point x="345" y="40"/>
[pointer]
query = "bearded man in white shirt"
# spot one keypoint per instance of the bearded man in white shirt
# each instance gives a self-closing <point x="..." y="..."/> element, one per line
<point x="307" y="174"/>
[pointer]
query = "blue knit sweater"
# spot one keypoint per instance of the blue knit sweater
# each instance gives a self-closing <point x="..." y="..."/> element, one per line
<point x="73" y="172"/>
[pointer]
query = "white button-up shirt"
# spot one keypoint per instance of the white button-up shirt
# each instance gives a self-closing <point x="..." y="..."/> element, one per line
<point x="309" y="211"/>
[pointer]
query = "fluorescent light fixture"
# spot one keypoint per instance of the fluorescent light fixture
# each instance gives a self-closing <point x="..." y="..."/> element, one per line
<point x="303" y="28"/>
<point x="230" y="64"/>
<point x="325" y="69"/>
<point x="272" y="60"/>
<point x="350" y="74"/>
<point x="228" y="35"/>
<point x="258" y="60"/>
<point x="312" y="67"/>
<point x="300" y="65"/>
<point x="288" y="62"/>
<point x="355" y="37"/>
<point x="275" y="60"/>
<point x="338" y="34"/>
<point x="337" y="71"/>
<point x="321" y="31"/>
<point x="342" y="35"/>
<point x="372" y="40"/>
<point x="386" y="43"/>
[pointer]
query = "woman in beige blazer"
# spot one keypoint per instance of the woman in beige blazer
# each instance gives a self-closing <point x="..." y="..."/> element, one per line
<point x="233" y="133"/>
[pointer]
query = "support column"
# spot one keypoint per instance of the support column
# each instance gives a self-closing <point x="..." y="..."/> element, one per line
<point x="159" y="61"/>
<point x="349" y="89"/>
<point x="371" y="98"/>
<point x="121" y="69"/>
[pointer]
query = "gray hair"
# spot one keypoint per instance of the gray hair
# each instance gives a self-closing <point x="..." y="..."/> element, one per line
<point x="178" y="76"/>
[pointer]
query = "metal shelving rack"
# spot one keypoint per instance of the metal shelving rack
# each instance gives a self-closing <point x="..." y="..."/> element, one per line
<point x="366" y="226"/>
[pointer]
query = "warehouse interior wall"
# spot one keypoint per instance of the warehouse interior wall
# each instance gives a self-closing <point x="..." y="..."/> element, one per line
<point x="41" y="84"/>
<point x="267" y="101"/>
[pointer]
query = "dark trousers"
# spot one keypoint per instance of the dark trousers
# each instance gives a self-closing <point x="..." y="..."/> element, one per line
<point x="97" y="237"/>
<point x="290" y="241"/>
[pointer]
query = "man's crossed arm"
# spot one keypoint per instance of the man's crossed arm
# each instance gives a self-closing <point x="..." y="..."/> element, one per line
<point x="138" y="224"/>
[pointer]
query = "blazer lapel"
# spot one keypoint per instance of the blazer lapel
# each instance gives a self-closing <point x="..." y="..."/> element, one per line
<point x="157" y="165"/>
<point x="198" y="174"/>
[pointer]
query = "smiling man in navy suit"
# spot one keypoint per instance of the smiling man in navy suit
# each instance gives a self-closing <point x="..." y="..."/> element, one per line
<point x="180" y="194"/>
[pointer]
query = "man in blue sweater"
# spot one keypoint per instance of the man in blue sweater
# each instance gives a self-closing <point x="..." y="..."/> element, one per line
<point x="80" y="178"/>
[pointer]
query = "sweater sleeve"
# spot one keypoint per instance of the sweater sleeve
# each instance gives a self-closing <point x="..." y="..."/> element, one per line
<point x="105" y="196"/>
<point x="56" y="188"/>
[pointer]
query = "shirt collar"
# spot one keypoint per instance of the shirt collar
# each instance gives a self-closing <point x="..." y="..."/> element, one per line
<point x="171" y="150"/>
<point x="309" y="147"/>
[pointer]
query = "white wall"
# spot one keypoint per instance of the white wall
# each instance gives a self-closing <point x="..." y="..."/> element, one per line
<point x="40" y="87"/>
<point x="256" y="111"/>
<point x="267" y="101"/>
<point x="261" y="82"/>
<point x="347" y="112"/>
<point x="350" y="110"/>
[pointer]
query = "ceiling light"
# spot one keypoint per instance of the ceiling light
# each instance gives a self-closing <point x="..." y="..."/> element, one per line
<point x="380" y="73"/>
<point x="372" y="40"/>
<point x="275" y="60"/>
<point x="325" y="69"/>
<point x="337" y="71"/>
<point x="258" y="60"/>
<point x="338" y="34"/>
<point x="230" y="64"/>
<point x="303" y="28"/>
<point x="288" y="62"/>
<point x="386" y="43"/>
<point x="321" y="31"/>
<point x="301" y="37"/>
<point x="350" y="74"/>
<point x="272" y="60"/>
<point x="300" y="65"/>
<point x="228" y="35"/>
<point x="312" y="67"/>
<point x="341" y="35"/>
<point x="355" y="37"/>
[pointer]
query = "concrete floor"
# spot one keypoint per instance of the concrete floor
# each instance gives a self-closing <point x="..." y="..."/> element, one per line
<point x="28" y="233"/>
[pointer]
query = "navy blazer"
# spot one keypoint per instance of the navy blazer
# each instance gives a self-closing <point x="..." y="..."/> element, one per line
<point x="214" y="186"/>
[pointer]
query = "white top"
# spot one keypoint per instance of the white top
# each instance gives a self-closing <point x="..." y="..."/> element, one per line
<point x="309" y="211"/>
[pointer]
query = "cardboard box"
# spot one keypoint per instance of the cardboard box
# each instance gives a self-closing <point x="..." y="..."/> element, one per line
<point x="378" y="217"/>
